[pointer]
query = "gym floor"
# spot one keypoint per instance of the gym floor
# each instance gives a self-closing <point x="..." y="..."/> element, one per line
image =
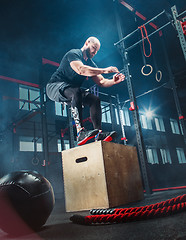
<point x="59" y="226"/>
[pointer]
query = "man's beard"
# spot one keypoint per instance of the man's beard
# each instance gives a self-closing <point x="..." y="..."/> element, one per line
<point x="88" y="53"/>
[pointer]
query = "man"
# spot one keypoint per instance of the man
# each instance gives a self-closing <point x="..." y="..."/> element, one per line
<point x="64" y="86"/>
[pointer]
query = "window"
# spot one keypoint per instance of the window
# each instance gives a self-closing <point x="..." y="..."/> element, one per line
<point x="60" y="109"/>
<point x="66" y="145"/>
<point x="159" y="124"/>
<point x="174" y="126"/>
<point x="27" y="144"/>
<point x="117" y="117"/>
<point x="181" y="128"/>
<point x="124" y="114"/>
<point x="165" y="155"/>
<point x="145" y="122"/>
<point x="29" y="94"/>
<point x="181" y="155"/>
<point x="59" y="146"/>
<point x="152" y="156"/>
<point x="106" y="116"/>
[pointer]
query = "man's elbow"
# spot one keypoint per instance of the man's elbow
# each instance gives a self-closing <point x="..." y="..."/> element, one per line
<point x="81" y="70"/>
<point x="101" y="83"/>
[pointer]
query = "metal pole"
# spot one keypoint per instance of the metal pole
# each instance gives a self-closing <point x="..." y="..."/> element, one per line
<point x="113" y="120"/>
<point x="139" y="137"/>
<point x="138" y="29"/>
<point x="181" y="14"/>
<point x="129" y="48"/>
<point x="121" y="120"/>
<point x="71" y="132"/>
<point x="44" y="122"/>
<point x="179" y="30"/>
<point x="154" y="89"/>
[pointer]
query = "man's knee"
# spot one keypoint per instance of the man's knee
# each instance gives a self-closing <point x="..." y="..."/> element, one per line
<point x="96" y="101"/>
<point x="73" y="94"/>
<point x="77" y="93"/>
<point x="76" y="100"/>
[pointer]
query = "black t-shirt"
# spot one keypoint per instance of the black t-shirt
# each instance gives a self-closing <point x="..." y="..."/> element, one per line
<point x="66" y="74"/>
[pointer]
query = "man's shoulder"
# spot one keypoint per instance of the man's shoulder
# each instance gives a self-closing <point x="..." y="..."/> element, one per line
<point x="75" y="51"/>
<point x="73" y="55"/>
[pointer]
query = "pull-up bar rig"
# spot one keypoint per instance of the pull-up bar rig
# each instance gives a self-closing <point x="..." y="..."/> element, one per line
<point x="177" y="24"/>
<point x="130" y="34"/>
<point x="124" y="54"/>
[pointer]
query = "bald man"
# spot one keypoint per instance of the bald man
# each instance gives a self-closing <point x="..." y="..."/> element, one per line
<point x="65" y="83"/>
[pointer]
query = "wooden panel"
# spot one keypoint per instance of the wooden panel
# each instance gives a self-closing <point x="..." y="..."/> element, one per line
<point x="84" y="182"/>
<point x="101" y="175"/>
<point x="123" y="175"/>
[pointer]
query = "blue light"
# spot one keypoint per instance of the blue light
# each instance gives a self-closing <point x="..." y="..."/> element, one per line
<point x="149" y="114"/>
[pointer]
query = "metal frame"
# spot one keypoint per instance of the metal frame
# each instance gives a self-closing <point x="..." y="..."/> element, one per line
<point x="179" y="29"/>
<point x="124" y="53"/>
<point x="139" y="137"/>
<point x="71" y="132"/>
<point x="173" y="85"/>
<point x="44" y="121"/>
<point x="183" y="46"/>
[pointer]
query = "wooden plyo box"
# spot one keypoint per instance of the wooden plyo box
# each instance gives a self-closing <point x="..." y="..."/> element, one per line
<point x="101" y="175"/>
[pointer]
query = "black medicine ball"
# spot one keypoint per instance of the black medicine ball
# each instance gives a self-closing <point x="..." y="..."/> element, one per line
<point x="26" y="199"/>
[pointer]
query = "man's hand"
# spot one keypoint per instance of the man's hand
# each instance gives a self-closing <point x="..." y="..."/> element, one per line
<point x="101" y="81"/>
<point x="111" y="70"/>
<point x="118" y="77"/>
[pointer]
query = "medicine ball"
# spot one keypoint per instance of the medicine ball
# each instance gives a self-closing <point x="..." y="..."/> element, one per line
<point x="26" y="199"/>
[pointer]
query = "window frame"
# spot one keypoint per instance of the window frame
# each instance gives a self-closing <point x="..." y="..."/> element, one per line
<point x="27" y="140"/>
<point x="61" y="108"/>
<point x="106" y="113"/>
<point x="159" y="124"/>
<point x="181" y="155"/>
<point x="174" y="126"/>
<point x="152" y="153"/>
<point x="25" y="102"/>
<point x="165" y="153"/>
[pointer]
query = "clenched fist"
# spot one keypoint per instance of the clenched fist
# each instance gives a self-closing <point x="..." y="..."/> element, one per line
<point x="119" y="77"/>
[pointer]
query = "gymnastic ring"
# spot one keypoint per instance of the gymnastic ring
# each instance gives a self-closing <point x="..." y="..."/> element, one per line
<point x="160" y="77"/>
<point x="35" y="161"/>
<point x="151" y="69"/>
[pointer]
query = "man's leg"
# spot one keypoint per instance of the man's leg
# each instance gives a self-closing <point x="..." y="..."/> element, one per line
<point x="75" y="96"/>
<point x="95" y="113"/>
<point x="95" y="109"/>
